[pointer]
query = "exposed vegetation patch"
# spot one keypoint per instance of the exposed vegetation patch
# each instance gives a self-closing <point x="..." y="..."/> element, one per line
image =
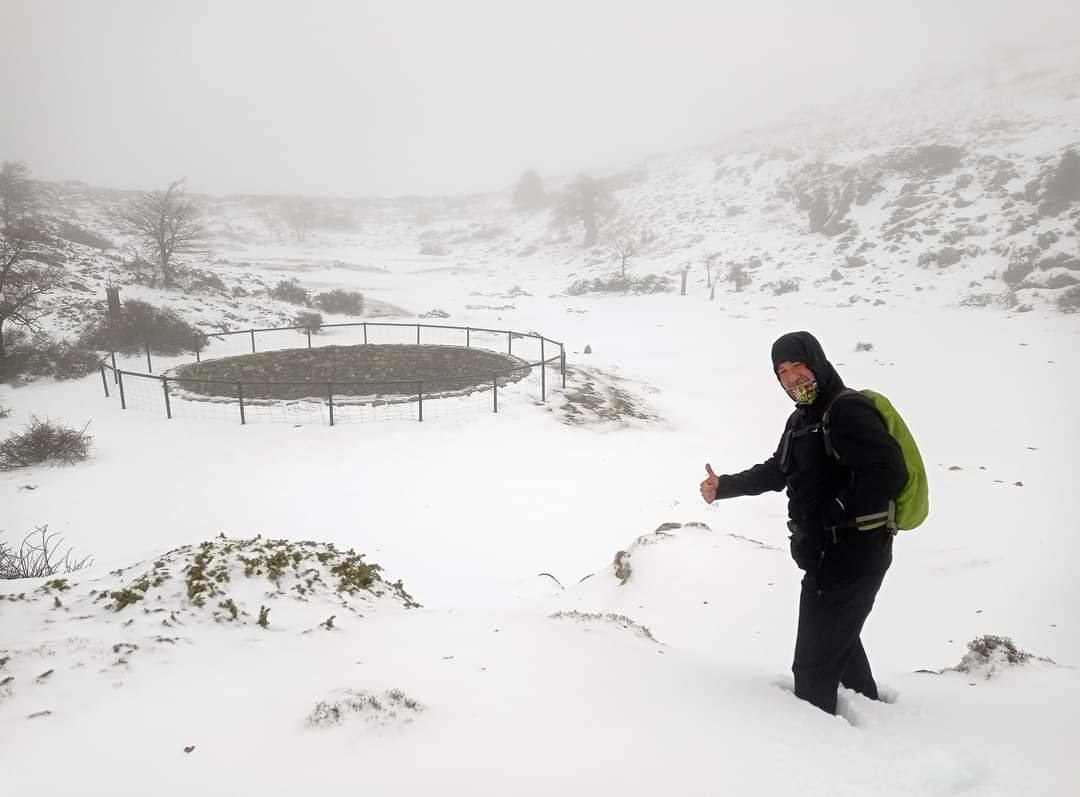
<point x="595" y="396"/>
<point x="390" y="707"/>
<point x="990" y="654"/>
<point x="619" y="620"/>
<point x="236" y="581"/>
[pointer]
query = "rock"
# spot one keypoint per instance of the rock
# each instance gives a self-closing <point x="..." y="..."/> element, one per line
<point x="435" y="314"/>
<point x="1019" y="225"/>
<point x="963" y="181"/>
<point x="1060" y="260"/>
<point x="854" y="261"/>
<point x="962" y="203"/>
<point x="836" y="275"/>
<point x="948" y="256"/>
<point x="1062" y="281"/>
<point x="1062" y="185"/>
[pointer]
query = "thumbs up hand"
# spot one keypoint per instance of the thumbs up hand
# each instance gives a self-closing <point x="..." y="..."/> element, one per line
<point x="708" y="487"/>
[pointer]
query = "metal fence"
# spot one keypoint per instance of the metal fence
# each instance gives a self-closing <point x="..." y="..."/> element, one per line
<point x="543" y="368"/>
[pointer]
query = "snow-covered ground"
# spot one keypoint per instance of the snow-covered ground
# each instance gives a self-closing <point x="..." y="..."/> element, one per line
<point x="468" y="509"/>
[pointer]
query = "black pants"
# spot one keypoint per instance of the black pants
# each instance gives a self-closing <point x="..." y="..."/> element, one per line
<point x="836" y="599"/>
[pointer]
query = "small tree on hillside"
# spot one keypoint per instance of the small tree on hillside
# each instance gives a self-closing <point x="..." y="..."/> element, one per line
<point x="299" y="214"/>
<point x="23" y="282"/>
<point x="625" y="246"/>
<point x="166" y="223"/>
<point x="586" y="200"/>
<point x="737" y="275"/>
<point x="17" y="194"/>
<point x="529" y="192"/>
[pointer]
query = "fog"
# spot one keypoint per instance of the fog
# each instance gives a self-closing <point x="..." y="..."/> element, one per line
<point x="446" y="97"/>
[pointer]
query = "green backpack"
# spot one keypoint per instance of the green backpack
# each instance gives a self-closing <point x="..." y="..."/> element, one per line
<point x="913" y="503"/>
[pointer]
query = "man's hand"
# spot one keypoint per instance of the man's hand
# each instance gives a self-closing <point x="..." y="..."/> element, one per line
<point x="708" y="487"/>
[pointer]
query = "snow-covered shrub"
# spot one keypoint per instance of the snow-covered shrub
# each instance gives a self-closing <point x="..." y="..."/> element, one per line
<point x="783" y="286"/>
<point x="648" y="283"/>
<point x="309" y="321"/>
<point x="988" y="654"/>
<point x="141" y="323"/>
<point x="291" y="291"/>
<point x="4" y="411"/>
<point x="44" y="441"/>
<point x="341" y="301"/>
<point x="42" y="356"/>
<point x="864" y="346"/>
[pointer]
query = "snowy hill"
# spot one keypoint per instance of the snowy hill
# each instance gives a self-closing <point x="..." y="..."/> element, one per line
<point x="554" y="608"/>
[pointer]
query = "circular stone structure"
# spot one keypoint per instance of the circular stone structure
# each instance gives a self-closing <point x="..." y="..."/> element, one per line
<point x="363" y="370"/>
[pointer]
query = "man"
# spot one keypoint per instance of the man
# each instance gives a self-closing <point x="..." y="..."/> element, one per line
<point x="840" y="510"/>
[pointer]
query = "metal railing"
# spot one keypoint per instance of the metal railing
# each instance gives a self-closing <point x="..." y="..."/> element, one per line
<point x="329" y="400"/>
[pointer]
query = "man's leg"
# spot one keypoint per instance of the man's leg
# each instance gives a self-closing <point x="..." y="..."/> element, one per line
<point x="830" y="622"/>
<point x="857" y="675"/>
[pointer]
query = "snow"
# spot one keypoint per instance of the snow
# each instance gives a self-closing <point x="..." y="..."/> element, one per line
<point x="528" y="658"/>
<point x="467" y="510"/>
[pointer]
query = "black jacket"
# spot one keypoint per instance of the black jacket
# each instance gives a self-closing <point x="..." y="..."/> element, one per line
<point x="824" y="491"/>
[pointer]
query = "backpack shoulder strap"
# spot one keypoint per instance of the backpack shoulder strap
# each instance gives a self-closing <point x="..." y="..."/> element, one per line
<point x="826" y="436"/>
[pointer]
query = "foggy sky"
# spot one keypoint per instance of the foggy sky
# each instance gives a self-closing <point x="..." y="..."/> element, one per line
<point x="378" y="98"/>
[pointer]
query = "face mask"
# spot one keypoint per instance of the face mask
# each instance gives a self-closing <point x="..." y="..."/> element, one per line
<point x="804" y="393"/>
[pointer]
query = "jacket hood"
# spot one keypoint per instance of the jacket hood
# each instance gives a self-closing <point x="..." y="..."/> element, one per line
<point x="802" y="347"/>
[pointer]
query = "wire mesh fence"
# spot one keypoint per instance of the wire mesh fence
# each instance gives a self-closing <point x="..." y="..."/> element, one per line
<point x="537" y="369"/>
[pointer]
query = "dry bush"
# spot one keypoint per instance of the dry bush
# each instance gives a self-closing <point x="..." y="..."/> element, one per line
<point x="39" y="555"/>
<point x="43" y="441"/>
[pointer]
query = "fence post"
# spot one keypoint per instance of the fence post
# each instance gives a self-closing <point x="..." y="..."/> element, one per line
<point x="115" y="370"/>
<point x="468" y="337"/>
<point x="120" y="381"/>
<point x="197" y="357"/>
<point x="240" y="395"/>
<point x="543" y="373"/>
<point x="420" y="391"/>
<point x="149" y="365"/>
<point x="509" y="342"/>
<point x="417" y="334"/>
<point x="168" y="407"/>
<point x="330" y="398"/>
<point x="104" y="381"/>
<point x="562" y="359"/>
<point x="309" y="337"/>
<point x="495" y="391"/>
<point x="253" y="341"/>
<point x="365" y="332"/>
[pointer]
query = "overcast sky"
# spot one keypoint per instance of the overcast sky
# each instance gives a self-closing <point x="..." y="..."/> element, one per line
<point x="393" y="97"/>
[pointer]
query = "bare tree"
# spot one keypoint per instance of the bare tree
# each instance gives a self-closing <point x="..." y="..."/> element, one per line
<point x="23" y="281"/>
<point x="166" y="223"/>
<point x="273" y="222"/>
<point x="625" y="246"/>
<point x="299" y="213"/>
<point x="710" y="259"/>
<point x="17" y="194"/>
